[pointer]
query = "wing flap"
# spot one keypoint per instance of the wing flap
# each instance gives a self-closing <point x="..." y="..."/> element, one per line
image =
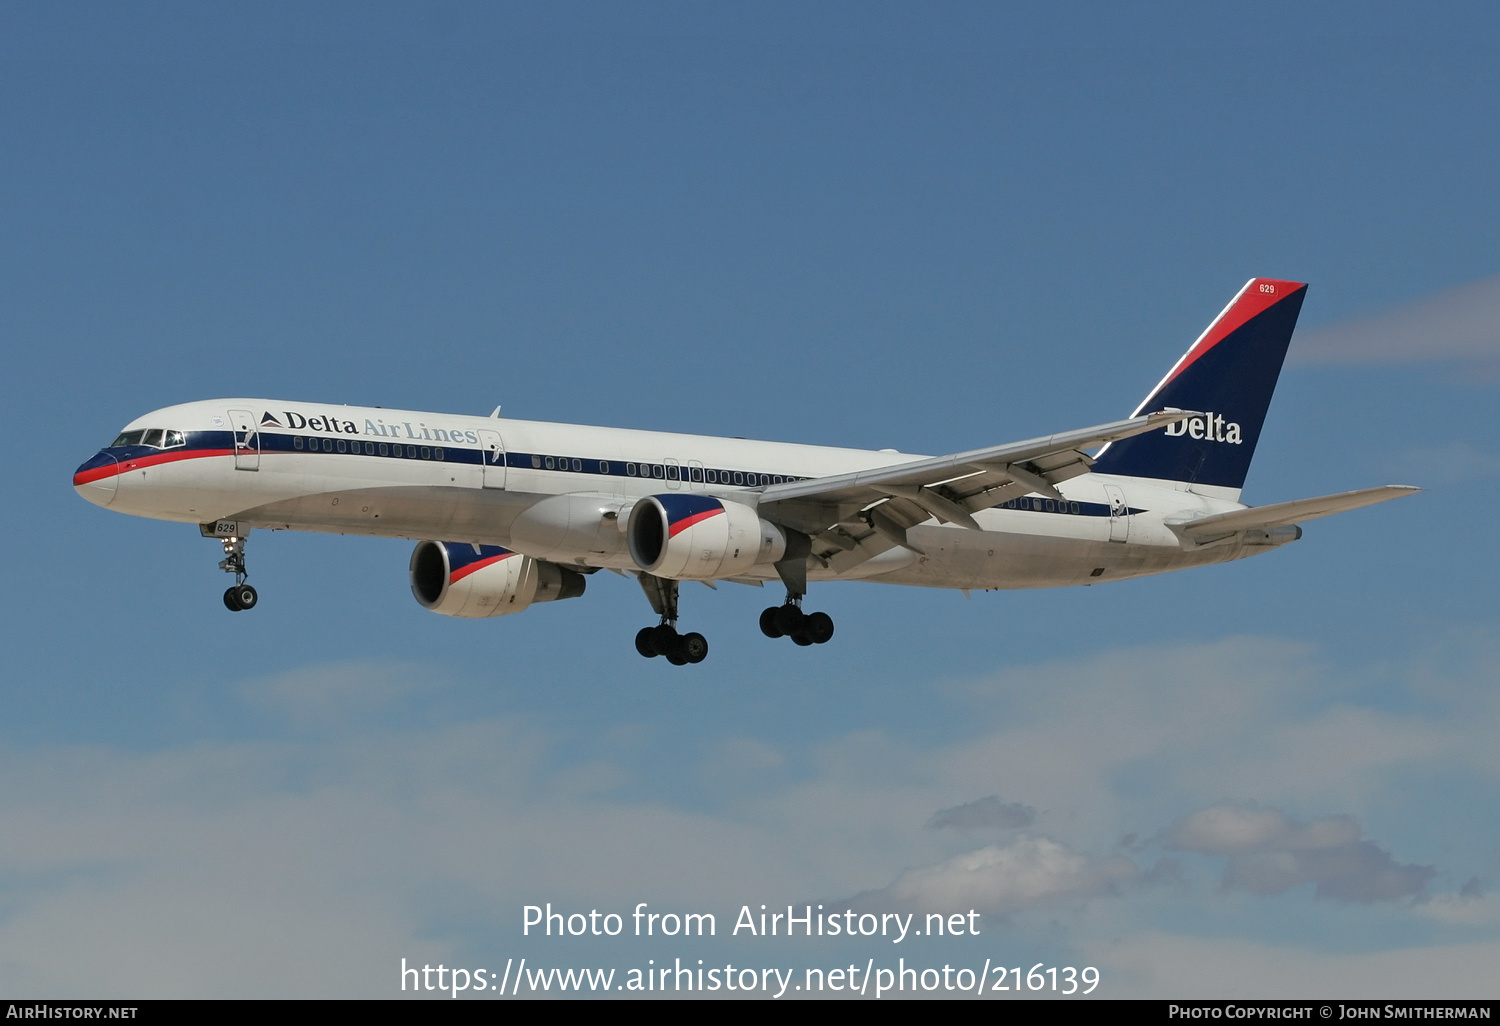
<point x="1283" y="513"/>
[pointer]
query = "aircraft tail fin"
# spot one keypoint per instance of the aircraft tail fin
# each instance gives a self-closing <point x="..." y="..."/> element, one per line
<point x="1229" y="374"/>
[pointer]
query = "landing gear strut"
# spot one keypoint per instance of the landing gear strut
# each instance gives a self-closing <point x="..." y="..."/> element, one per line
<point x="663" y="639"/>
<point x="240" y="596"/>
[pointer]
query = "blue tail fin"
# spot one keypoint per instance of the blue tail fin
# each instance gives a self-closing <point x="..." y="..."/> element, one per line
<point x="1228" y="375"/>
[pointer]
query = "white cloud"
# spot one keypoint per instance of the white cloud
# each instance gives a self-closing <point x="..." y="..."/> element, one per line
<point x="1002" y="879"/>
<point x="309" y="866"/>
<point x="1246" y="830"/>
<point x="332" y="692"/>
<point x="1461" y="323"/>
<point x="1468" y="907"/>
<point x="1269" y="853"/>
<point x="982" y="814"/>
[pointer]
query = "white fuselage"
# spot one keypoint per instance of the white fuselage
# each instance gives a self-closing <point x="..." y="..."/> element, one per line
<point x="393" y="473"/>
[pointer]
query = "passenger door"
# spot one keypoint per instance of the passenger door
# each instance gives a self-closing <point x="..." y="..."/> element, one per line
<point x="492" y="454"/>
<point x="246" y="440"/>
<point x="1119" y="519"/>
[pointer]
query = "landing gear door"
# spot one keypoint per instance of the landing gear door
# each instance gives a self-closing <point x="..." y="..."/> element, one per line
<point x="1119" y="521"/>
<point x="492" y="454"/>
<point x="246" y="440"/>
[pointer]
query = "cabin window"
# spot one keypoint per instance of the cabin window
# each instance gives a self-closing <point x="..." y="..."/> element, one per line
<point x="658" y="471"/>
<point x="696" y="473"/>
<point x="426" y="453"/>
<point x="551" y="463"/>
<point x="536" y="462"/>
<point x="739" y="478"/>
<point x="630" y="469"/>
<point x="578" y="465"/>
<point x="671" y="472"/>
<point x="1072" y="507"/>
<point x="411" y="452"/>
<point x="604" y="466"/>
<point x="437" y="453"/>
<point x="328" y="445"/>
<point x="296" y="441"/>
<point x="341" y="446"/>
<point x="385" y="450"/>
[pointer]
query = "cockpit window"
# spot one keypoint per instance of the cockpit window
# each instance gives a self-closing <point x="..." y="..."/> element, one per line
<point x="153" y="438"/>
<point x="173" y="438"/>
<point x="127" y="438"/>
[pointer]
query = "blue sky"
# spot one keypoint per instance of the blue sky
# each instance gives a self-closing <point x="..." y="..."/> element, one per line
<point x="869" y="225"/>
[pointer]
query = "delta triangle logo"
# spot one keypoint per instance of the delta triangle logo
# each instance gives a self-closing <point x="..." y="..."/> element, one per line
<point x="269" y="421"/>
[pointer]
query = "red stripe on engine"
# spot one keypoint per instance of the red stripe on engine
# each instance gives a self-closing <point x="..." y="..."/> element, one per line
<point x="478" y="564"/>
<point x="686" y="522"/>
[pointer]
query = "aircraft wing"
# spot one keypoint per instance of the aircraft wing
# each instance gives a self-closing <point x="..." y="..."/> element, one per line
<point x="1258" y="518"/>
<point x="852" y="517"/>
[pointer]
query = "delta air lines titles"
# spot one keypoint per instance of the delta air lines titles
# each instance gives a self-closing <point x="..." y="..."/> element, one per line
<point x="378" y="428"/>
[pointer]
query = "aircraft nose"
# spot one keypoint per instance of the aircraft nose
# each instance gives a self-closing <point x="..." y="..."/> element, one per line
<point x="98" y="479"/>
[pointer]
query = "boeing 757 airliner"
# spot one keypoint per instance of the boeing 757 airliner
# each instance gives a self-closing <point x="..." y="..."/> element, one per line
<point x="507" y="513"/>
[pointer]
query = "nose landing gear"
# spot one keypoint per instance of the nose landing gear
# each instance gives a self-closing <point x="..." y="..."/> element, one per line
<point x="240" y="596"/>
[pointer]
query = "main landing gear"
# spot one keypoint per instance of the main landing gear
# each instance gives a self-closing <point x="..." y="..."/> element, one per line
<point x="240" y="596"/>
<point x="663" y="639"/>
<point x="789" y="621"/>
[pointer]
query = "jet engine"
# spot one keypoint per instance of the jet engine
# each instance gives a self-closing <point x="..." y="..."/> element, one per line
<point x="700" y="538"/>
<point x="457" y="579"/>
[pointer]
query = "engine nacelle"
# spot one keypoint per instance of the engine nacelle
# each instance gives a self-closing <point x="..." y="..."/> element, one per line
<point x="456" y="579"/>
<point x="700" y="538"/>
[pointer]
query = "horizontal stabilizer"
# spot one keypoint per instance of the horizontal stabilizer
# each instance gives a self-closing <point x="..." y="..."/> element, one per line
<point x="1259" y="518"/>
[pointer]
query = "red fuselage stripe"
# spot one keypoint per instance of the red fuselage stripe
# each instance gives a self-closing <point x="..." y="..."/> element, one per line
<point x="141" y="462"/>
